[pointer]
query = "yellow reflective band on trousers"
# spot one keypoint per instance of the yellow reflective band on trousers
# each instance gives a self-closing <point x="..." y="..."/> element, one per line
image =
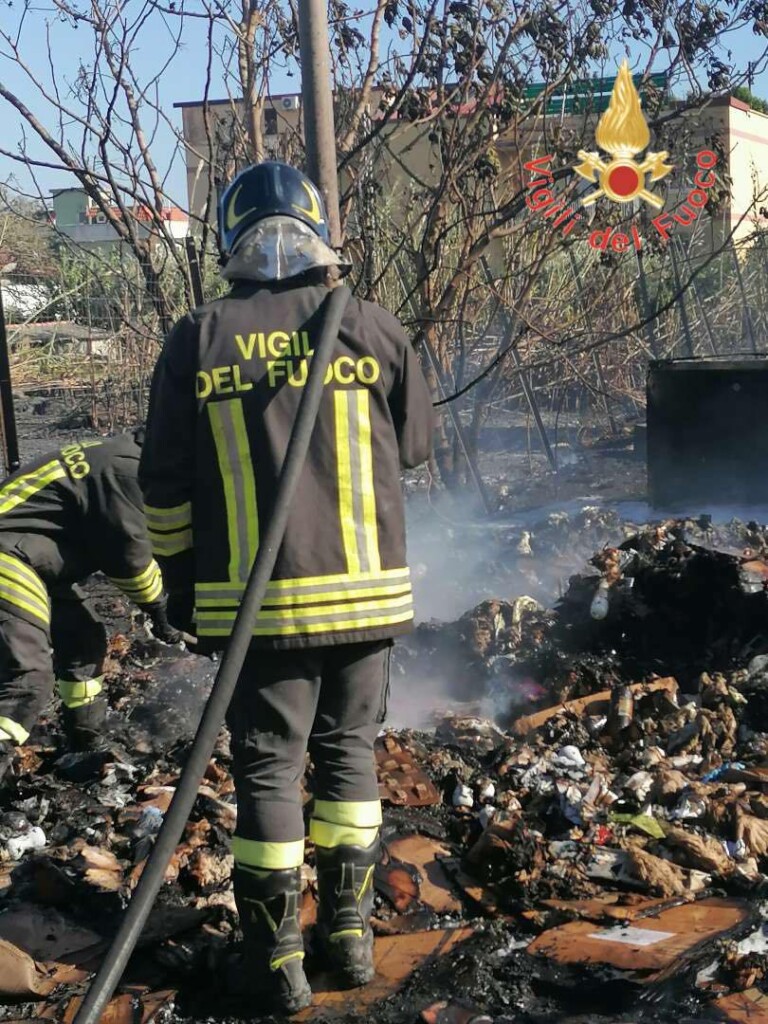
<point x="169" y="529"/>
<point x="358" y="813"/>
<point x="75" y="693"/>
<point x="354" y="465"/>
<point x="144" y="588"/>
<point x="233" y="452"/>
<point x="275" y="856"/>
<point x="12" y="731"/>
<point x="22" y="588"/>
<point x="277" y="963"/>
<point x="345" y="822"/>
<point x="19" y="490"/>
<point x="329" y="835"/>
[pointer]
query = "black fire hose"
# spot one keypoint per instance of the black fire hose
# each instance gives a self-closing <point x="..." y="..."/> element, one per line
<point x="111" y="970"/>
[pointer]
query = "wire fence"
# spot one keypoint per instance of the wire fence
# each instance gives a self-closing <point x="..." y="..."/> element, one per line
<point x="91" y="339"/>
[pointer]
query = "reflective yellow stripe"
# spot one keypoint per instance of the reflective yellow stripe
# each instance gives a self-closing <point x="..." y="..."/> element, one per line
<point x="75" y="693"/>
<point x="326" y="611"/>
<point x="367" y="491"/>
<point x="328" y="835"/>
<point x="18" y="491"/>
<point x="141" y="579"/>
<point x="341" y="602"/>
<point x="220" y="628"/>
<point x="250" y="511"/>
<point x="344" y="473"/>
<point x="13" y="730"/>
<point x="314" y="584"/>
<point x="168" y="519"/>
<point x="14" y="595"/>
<point x="170" y="543"/>
<point x="276" y="856"/>
<point x="360" y="813"/>
<point x="236" y="468"/>
<point x="24" y="575"/>
<point x="276" y="964"/>
<point x="278" y="600"/>
<point x="144" y="588"/>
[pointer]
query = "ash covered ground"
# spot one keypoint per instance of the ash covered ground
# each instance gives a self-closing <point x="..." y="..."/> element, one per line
<point x="575" y="784"/>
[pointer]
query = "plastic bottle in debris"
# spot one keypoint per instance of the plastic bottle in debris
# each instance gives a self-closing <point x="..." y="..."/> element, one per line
<point x="599" y="607"/>
<point x="622" y="710"/>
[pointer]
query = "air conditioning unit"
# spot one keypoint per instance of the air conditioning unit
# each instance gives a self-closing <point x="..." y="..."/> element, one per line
<point x="289" y="103"/>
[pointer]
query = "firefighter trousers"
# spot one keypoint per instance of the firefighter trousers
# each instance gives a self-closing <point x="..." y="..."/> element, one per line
<point x="68" y="651"/>
<point x="325" y="701"/>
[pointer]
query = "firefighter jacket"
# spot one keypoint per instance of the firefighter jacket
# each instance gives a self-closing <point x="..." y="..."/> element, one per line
<point x="224" y="398"/>
<point x="71" y="513"/>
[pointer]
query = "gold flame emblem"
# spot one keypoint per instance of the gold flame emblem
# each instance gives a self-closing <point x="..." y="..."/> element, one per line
<point x="623" y="132"/>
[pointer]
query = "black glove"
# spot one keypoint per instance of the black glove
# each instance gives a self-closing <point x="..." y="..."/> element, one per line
<point x="161" y="628"/>
<point x="181" y="610"/>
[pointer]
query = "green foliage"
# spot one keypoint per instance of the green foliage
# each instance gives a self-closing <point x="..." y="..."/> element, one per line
<point x="742" y="93"/>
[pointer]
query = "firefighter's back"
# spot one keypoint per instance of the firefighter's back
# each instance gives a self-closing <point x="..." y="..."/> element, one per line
<point x="53" y="510"/>
<point x="341" y="571"/>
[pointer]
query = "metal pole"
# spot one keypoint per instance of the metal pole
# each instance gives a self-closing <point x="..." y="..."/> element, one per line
<point x="700" y="304"/>
<point x="317" y="102"/>
<point x="195" y="276"/>
<point x="533" y="405"/>
<point x="458" y="426"/>
<point x="525" y="383"/>
<point x="176" y="817"/>
<point x="591" y="328"/>
<point x="745" y="301"/>
<point x="10" y="437"/>
<point x="646" y="301"/>
<point x="681" y="302"/>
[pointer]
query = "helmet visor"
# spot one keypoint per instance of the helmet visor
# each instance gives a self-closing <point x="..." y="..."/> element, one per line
<point x="277" y="248"/>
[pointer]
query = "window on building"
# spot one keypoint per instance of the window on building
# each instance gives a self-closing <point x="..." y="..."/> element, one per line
<point x="270" y="121"/>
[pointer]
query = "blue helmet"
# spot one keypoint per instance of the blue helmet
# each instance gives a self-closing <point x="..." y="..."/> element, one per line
<point x="267" y="190"/>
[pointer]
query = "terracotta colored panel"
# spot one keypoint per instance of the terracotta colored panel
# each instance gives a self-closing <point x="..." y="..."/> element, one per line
<point x="396" y="957"/>
<point x="634" y="948"/>
<point x="612" y="906"/>
<point x="435" y="889"/>
<point x="749" y="1007"/>
<point x="401" y="781"/>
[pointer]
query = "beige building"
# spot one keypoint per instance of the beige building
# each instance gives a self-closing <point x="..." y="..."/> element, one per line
<point x="405" y="152"/>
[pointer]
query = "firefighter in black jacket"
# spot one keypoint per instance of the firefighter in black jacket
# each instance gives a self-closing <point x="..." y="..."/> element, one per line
<point x="62" y="517"/>
<point x="224" y="399"/>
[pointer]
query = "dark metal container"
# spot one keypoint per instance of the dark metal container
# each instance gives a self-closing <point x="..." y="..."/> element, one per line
<point x="708" y="432"/>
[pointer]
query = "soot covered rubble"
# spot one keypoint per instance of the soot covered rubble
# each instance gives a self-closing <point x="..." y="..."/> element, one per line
<point x="586" y="832"/>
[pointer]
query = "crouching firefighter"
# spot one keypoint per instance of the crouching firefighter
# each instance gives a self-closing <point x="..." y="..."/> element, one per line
<point x="62" y="517"/>
<point x="224" y="398"/>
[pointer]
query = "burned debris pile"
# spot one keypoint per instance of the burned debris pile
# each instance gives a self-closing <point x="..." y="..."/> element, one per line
<point x="585" y="830"/>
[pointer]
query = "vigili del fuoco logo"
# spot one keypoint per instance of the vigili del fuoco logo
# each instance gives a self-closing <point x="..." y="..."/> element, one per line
<point x="622" y="133"/>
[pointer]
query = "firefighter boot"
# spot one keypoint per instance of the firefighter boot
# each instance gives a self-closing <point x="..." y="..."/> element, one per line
<point x="345" y="887"/>
<point x="84" y="725"/>
<point x="268" y="905"/>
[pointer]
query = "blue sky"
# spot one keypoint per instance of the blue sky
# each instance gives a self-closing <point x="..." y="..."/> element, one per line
<point x="182" y="80"/>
